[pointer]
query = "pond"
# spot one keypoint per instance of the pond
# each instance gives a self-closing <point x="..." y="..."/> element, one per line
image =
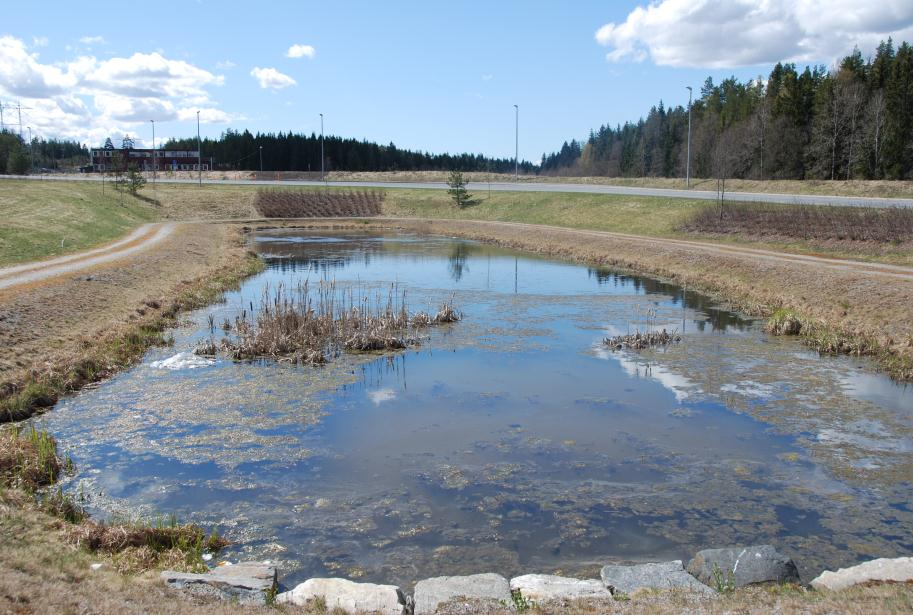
<point x="512" y="441"/>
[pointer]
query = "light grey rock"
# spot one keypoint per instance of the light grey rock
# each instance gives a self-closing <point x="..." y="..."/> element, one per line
<point x="431" y="593"/>
<point x="349" y="596"/>
<point x="748" y="565"/>
<point x="542" y="588"/>
<point x="660" y="575"/>
<point x="884" y="570"/>
<point x="246" y="582"/>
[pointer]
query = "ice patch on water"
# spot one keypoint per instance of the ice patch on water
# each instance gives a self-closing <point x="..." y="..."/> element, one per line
<point x="182" y="360"/>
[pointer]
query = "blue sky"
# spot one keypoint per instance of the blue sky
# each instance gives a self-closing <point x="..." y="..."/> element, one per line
<point x="424" y="75"/>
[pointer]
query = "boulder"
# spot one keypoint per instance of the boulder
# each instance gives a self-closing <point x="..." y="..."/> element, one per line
<point x="245" y="582"/>
<point x="348" y="596"/>
<point x="431" y="593"/>
<point x="543" y="588"/>
<point x="661" y="575"/>
<point x="747" y="565"/>
<point x="884" y="570"/>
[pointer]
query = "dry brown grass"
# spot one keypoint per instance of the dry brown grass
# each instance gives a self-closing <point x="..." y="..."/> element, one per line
<point x="312" y="325"/>
<point x="777" y="222"/>
<point x="862" y="188"/>
<point x="72" y="332"/>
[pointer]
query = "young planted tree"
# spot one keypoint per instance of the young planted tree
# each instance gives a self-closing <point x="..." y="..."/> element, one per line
<point x="461" y="197"/>
<point x="134" y="180"/>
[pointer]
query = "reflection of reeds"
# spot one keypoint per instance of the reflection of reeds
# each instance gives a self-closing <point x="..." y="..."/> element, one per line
<point x="641" y="341"/>
<point x="311" y="325"/>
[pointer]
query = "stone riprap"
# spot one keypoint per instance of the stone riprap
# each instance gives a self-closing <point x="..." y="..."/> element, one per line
<point x="245" y="582"/>
<point x="348" y="596"/>
<point x="431" y="593"/>
<point x="743" y="566"/>
<point x="661" y="576"/>
<point x="884" y="570"/>
<point x="542" y="588"/>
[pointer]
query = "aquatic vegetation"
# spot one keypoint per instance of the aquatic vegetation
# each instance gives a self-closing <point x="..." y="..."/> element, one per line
<point x="28" y="459"/>
<point x="311" y="325"/>
<point x="784" y="322"/>
<point x="642" y="341"/>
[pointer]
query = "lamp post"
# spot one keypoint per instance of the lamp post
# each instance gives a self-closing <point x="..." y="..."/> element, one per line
<point x="154" y="159"/>
<point x="199" y="152"/>
<point x="517" y="143"/>
<point x="261" y="161"/>
<point x="31" y="151"/>
<point x="322" y="176"/>
<point x="688" y="161"/>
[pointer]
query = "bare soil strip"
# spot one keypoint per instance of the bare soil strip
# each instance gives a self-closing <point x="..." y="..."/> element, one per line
<point x="142" y="238"/>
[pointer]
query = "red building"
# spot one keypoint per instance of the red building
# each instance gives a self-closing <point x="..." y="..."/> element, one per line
<point x="148" y="159"/>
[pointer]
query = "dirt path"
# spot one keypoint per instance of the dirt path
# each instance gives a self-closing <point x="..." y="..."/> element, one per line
<point x="140" y="239"/>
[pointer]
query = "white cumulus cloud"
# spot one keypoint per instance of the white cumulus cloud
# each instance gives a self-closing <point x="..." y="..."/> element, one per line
<point x="731" y="33"/>
<point x="301" y="51"/>
<point x="87" y="99"/>
<point x="270" y="78"/>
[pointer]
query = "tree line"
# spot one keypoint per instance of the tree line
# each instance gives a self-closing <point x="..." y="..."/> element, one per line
<point x="854" y="121"/>
<point x="19" y="157"/>
<point x="235" y="150"/>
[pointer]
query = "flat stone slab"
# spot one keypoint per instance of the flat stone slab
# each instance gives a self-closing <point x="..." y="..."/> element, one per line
<point x="431" y="593"/>
<point x="348" y="596"/>
<point x="660" y="576"/>
<point x="245" y="582"/>
<point x="884" y="570"/>
<point x="747" y="565"/>
<point x="541" y="588"/>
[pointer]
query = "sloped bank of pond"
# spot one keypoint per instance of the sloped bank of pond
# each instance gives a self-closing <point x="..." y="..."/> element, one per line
<point x="513" y="440"/>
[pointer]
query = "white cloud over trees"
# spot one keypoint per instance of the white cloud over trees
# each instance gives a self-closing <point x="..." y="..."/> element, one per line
<point x="87" y="99"/>
<point x="732" y="33"/>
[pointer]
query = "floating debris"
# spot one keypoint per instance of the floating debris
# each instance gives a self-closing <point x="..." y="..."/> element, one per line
<point x="641" y="341"/>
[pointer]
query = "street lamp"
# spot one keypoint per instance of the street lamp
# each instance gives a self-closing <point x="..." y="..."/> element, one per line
<point x="199" y="152"/>
<point x="517" y="144"/>
<point x="688" y="161"/>
<point x="31" y="151"/>
<point x="322" y="176"/>
<point x="261" y="162"/>
<point x="154" y="160"/>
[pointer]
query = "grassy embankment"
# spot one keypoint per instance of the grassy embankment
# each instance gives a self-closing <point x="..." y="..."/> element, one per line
<point x="45" y="219"/>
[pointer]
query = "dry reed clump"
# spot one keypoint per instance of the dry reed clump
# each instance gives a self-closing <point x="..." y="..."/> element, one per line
<point x="28" y="459"/>
<point x="642" y="341"/>
<point x="283" y="203"/>
<point x="811" y="222"/>
<point x="311" y="326"/>
<point x="140" y="546"/>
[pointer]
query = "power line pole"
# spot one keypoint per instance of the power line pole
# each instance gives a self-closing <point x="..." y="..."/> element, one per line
<point x="322" y="176"/>
<point x="2" y="127"/>
<point x="199" y="151"/>
<point x="155" y="161"/>
<point x="31" y="151"/>
<point x="517" y="144"/>
<point x="688" y="162"/>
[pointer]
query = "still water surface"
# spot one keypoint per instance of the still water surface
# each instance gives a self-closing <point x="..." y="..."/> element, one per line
<point x="512" y="441"/>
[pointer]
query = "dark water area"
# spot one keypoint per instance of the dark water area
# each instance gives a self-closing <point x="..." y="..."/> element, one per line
<point x="512" y="441"/>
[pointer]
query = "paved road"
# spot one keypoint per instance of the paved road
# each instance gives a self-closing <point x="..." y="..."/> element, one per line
<point x="707" y="195"/>
<point x="140" y="239"/>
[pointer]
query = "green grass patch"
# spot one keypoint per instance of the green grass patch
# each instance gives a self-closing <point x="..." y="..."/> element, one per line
<point x="43" y="219"/>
